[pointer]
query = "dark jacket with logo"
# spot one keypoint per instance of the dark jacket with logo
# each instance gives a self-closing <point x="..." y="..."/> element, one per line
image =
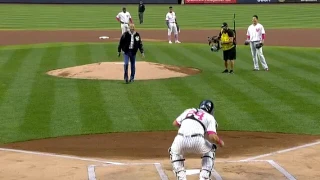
<point x="125" y="41"/>
<point x="142" y="8"/>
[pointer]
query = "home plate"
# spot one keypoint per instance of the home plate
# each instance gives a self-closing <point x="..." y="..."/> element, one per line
<point x="103" y="37"/>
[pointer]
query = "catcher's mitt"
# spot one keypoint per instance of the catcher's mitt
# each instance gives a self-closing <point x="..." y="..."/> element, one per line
<point x="259" y="45"/>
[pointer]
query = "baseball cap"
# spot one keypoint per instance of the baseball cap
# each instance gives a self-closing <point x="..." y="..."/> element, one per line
<point x="224" y="24"/>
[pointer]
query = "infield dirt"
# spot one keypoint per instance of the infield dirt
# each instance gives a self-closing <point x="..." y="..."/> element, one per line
<point x="149" y="147"/>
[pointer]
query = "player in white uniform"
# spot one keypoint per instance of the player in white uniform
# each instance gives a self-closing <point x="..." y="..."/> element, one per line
<point x="256" y="35"/>
<point x="171" y="20"/>
<point x="194" y="124"/>
<point x="124" y="18"/>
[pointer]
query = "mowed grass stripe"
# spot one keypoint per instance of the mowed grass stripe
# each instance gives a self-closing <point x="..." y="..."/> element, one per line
<point x="286" y="93"/>
<point x="248" y="90"/>
<point x="12" y="91"/>
<point x="203" y="84"/>
<point x="66" y="116"/>
<point x="293" y="71"/>
<point x="11" y="63"/>
<point x="17" y="96"/>
<point x="181" y="90"/>
<point x="122" y="111"/>
<point x="92" y="106"/>
<point x="96" y="17"/>
<point x="37" y="117"/>
<point x="117" y="105"/>
<point x="229" y="114"/>
<point x="143" y="104"/>
<point x="299" y="88"/>
<point x="296" y="59"/>
<point x="165" y="91"/>
<point x="5" y="56"/>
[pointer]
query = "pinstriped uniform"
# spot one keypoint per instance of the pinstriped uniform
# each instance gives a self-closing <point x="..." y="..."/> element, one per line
<point x="185" y="144"/>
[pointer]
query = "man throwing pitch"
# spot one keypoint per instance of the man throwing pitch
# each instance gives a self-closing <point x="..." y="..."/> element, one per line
<point x="171" y="21"/>
<point x="124" y="18"/>
<point x="255" y="37"/>
<point x="194" y="124"/>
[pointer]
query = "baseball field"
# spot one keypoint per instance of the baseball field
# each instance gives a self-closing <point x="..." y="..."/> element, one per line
<point x="66" y="113"/>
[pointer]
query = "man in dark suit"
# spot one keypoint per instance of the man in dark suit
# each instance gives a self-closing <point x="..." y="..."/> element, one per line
<point x="141" y="10"/>
<point x="129" y="43"/>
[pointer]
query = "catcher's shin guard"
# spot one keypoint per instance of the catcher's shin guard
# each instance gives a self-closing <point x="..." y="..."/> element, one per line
<point x="177" y="162"/>
<point x="207" y="164"/>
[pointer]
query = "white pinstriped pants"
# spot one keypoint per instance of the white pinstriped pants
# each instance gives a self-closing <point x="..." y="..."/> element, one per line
<point x="195" y="145"/>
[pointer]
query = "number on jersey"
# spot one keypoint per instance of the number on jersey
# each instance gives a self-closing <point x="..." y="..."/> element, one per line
<point x="195" y="114"/>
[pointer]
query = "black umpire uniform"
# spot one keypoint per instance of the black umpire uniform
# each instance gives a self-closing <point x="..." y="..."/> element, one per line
<point x="141" y="10"/>
<point x="129" y="43"/>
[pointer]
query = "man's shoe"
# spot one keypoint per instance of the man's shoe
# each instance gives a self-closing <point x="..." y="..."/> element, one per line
<point x="231" y="72"/>
<point x="131" y="80"/>
<point x="225" y="71"/>
<point x="266" y="69"/>
<point x="255" y="69"/>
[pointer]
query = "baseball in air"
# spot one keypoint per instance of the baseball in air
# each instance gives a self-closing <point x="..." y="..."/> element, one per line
<point x="103" y="37"/>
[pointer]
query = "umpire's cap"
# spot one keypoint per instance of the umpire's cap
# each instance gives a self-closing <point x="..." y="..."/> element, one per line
<point x="224" y="25"/>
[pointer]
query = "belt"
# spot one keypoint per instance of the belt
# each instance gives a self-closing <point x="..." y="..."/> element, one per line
<point x="192" y="135"/>
<point x="123" y="23"/>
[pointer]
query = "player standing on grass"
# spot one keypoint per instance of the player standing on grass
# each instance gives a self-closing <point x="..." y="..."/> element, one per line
<point x="255" y="37"/>
<point x="194" y="124"/>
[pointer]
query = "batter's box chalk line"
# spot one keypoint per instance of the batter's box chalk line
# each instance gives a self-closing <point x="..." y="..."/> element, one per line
<point x="217" y="176"/>
<point x="92" y="173"/>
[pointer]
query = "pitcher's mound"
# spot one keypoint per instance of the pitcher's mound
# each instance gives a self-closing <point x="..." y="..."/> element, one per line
<point x="114" y="71"/>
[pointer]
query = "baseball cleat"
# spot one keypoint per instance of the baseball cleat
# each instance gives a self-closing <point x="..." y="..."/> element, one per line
<point x="266" y="69"/>
<point x="225" y="71"/>
<point x="177" y="42"/>
<point x="170" y="42"/>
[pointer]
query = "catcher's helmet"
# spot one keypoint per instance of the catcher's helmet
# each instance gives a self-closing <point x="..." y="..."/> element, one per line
<point x="207" y="106"/>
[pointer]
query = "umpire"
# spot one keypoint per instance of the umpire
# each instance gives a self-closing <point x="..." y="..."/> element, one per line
<point x="141" y="10"/>
<point x="228" y="45"/>
<point x="129" y="43"/>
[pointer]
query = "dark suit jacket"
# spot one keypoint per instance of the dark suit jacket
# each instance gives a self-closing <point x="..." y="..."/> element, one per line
<point x="141" y="8"/>
<point x="125" y="41"/>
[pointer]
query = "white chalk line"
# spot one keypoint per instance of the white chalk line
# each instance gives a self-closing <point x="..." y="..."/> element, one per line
<point x="281" y="169"/>
<point x="57" y="155"/>
<point x="161" y="172"/>
<point x="282" y="151"/>
<point x="91" y="172"/>
<point x="216" y="175"/>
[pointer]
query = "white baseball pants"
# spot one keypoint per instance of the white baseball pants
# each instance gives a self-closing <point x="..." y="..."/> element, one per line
<point x="124" y="28"/>
<point x="172" y="29"/>
<point x="257" y="53"/>
<point x="195" y="145"/>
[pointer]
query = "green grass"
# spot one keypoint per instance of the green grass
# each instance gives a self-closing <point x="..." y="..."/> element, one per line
<point x="189" y="17"/>
<point x="34" y="105"/>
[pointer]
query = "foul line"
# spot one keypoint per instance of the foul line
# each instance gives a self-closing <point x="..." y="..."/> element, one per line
<point x="281" y="169"/>
<point x="281" y="151"/>
<point x="58" y="156"/>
